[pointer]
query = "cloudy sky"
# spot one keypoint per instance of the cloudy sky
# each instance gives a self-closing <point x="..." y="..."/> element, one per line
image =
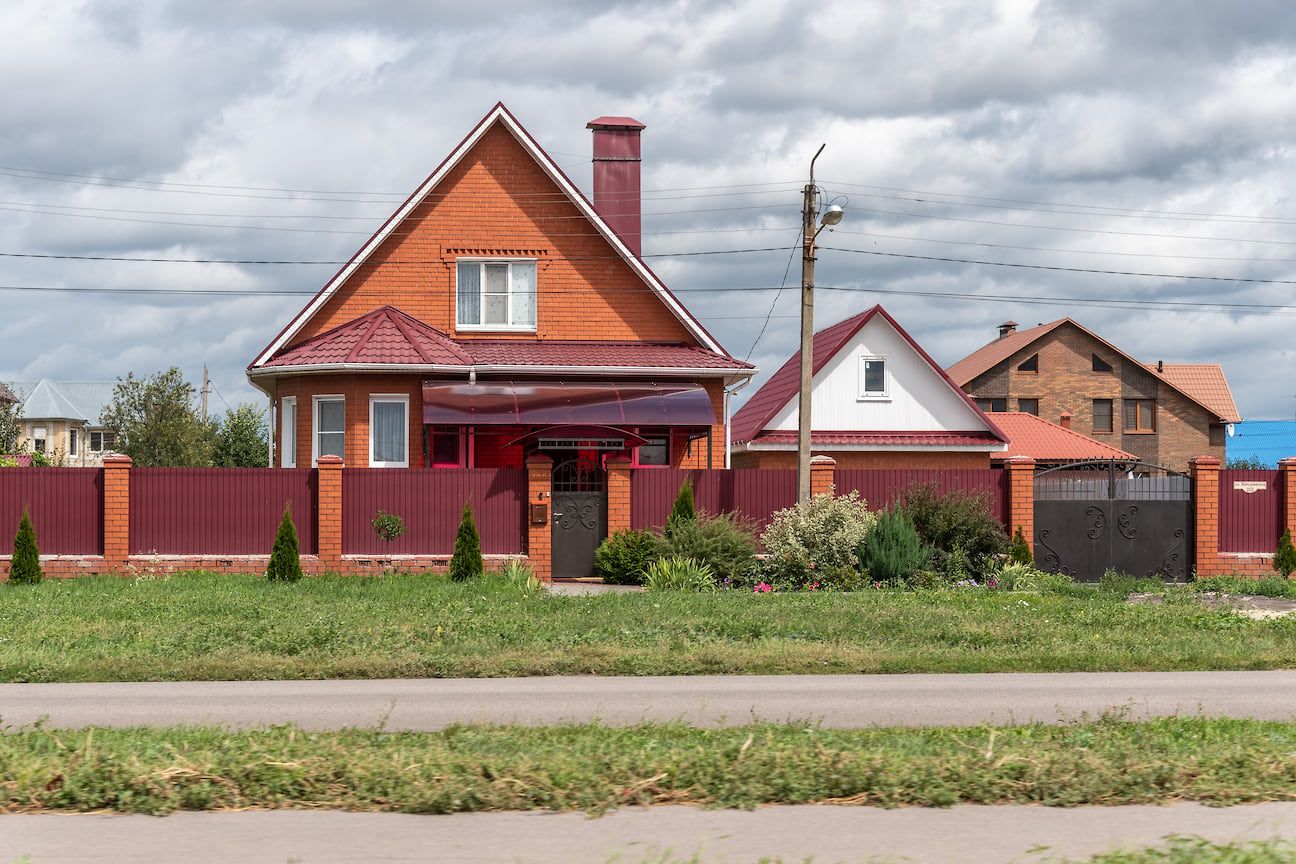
<point x="1128" y="164"/>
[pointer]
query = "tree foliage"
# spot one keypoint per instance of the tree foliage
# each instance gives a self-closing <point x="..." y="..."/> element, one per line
<point x="156" y="423"/>
<point x="10" y="426"/>
<point x="682" y="511"/>
<point x="25" y="566"/>
<point x="1284" y="560"/>
<point x="285" y="559"/>
<point x="242" y="439"/>
<point x="466" y="562"/>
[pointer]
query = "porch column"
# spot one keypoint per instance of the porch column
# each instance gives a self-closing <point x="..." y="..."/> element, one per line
<point x="1287" y="468"/>
<point x="329" y="529"/>
<point x="540" y="515"/>
<point x="618" y="494"/>
<point x="1021" y="498"/>
<point x="1205" y="476"/>
<point x="116" y="512"/>
<point x="821" y="476"/>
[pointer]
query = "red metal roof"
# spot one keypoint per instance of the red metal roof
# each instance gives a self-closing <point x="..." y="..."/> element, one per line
<point x="920" y="438"/>
<point x="756" y="412"/>
<point x="389" y="337"/>
<point x="1047" y="442"/>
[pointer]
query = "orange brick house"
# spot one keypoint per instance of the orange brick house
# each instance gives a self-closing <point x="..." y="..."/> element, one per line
<point x="499" y="314"/>
<point x="1163" y="413"/>
<point x="877" y="401"/>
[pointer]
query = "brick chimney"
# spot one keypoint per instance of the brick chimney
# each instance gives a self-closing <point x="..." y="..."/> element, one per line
<point x="616" y="177"/>
<point x="1007" y="328"/>
<point x="1066" y="420"/>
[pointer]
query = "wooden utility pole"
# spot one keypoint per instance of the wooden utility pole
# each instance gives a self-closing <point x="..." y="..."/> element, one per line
<point x="204" y="394"/>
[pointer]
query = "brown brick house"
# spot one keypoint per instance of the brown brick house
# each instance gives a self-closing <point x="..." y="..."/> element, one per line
<point x="499" y="313"/>
<point x="1163" y="413"/>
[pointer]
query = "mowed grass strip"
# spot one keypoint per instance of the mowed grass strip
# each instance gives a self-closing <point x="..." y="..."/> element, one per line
<point x="1105" y="761"/>
<point x="203" y="626"/>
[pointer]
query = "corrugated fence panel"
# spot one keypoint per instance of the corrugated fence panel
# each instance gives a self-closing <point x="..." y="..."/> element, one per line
<point x="430" y="501"/>
<point x="1249" y="505"/>
<point x="65" y="506"/>
<point x="883" y="487"/>
<point x="219" y="511"/>
<point x="754" y="494"/>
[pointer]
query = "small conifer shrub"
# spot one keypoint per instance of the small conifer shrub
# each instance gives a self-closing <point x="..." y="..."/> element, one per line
<point x="1285" y="555"/>
<point x="683" y="510"/>
<point x="1019" y="551"/>
<point x="893" y="551"/>
<point x="466" y="562"/>
<point x="285" y="560"/>
<point x="25" y="566"/>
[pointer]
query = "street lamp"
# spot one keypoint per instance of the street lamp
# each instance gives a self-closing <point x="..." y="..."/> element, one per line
<point x="810" y="228"/>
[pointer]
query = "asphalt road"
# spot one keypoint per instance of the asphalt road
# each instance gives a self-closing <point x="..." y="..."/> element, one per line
<point x="836" y="701"/>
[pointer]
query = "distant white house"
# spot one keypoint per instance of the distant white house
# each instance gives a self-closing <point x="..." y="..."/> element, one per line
<point x="877" y="401"/>
<point x="63" y="420"/>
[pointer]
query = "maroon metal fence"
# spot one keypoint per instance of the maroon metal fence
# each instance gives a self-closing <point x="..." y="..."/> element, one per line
<point x="219" y="511"/>
<point x="430" y="501"/>
<point x="65" y="506"/>
<point x="883" y="487"/>
<point x="752" y="493"/>
<point x="1250" y="505"/>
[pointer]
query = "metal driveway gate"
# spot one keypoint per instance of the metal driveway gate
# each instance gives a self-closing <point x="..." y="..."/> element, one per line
<point x="1132" y="518"/>
<point x="579" y="517"/>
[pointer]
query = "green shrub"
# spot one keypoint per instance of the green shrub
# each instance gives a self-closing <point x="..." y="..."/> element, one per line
<point x="621" y="558"/>
<point x="955" y="520"/>
<point x="466" y="562"/>
<point x="679" y="573"/>
<point x="893" y="550"/>
<point x="824" y="533"/>
<point x="388" y="526"/>
<point x="285" y="560"/>
<point x="25" y="566"/>
<point x="682" y="511"/>
<point x="1284" y="560"/>
<point x="1019" y="551"/>
<point x="726" y="544"/>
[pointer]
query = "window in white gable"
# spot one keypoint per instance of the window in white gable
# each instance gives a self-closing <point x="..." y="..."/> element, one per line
<point x="496" y="295"/>
<point x="873" y="378"/>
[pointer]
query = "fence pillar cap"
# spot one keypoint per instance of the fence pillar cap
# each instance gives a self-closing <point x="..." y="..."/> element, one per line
<point x="539" y="459"/>
<point x="328" y="459"/>
<point x="620" y="460"/>
<point x="1204" y="460"/>
<point x="822" y="460"/>
<point x="1019" y="461"/>
<point x="117" y="460"/>
<point x="1290" y="460"/>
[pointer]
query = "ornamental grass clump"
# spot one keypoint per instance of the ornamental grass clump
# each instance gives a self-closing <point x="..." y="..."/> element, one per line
<point x="285" y="560"/>
<point x="25" y="566"/>
<point x="466" y="562"/>
<point x="679" y="573"/>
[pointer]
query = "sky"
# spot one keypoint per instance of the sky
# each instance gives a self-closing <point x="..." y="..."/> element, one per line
<point x="1125" y="163"/>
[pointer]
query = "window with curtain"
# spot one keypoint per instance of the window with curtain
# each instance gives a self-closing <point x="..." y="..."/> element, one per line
<point x="496" y="295"/>
<point x="1102" y="415"/>
<point x="330" y="427"/>
<point x="388" y="428"/>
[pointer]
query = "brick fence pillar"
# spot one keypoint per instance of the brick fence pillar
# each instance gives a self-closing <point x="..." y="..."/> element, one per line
<point x="1205" y="472"/>
<point x="821" y="475"/>
<point x="1021" y="497"/>
<point x="618" y="494"/>
<point x="116" y="513"/>
<point x="540" y="530"/>
<point x="1287" y="468"/>
<point x="328" y="532"/>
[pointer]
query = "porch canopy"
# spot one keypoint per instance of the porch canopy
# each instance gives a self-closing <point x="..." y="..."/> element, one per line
<point x="514" y="403"/>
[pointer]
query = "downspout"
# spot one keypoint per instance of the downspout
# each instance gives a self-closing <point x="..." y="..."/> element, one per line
<point x="728" y="430"/>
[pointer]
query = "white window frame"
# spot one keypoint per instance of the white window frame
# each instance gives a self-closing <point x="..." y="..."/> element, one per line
<point x="386" y="399"/>
<point x="40" y="439"/>
<point x="288" y="432"/>
<point x="315" y="423"/>
<point x="511" y="325"/>
<point x="74" y="441"/>
<point x="867" y="395"/>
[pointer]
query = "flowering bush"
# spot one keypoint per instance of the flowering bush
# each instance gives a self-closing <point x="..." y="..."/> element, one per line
<point x="823" y="534"/>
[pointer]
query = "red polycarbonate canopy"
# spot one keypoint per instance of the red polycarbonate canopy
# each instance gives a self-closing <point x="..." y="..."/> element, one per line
<point x="515" y="403"/>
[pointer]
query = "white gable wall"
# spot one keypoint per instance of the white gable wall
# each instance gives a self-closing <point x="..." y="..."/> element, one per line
<point x="918" y="398"/>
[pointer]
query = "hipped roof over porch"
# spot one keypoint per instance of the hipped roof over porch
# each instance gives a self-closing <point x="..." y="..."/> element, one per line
<point x="553" y="404"/>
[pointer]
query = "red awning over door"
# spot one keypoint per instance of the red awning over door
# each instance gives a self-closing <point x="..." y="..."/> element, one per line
<point x="553" y="404"/>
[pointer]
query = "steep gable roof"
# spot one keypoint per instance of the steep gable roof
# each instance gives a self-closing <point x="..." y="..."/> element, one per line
<point x="785" y="384"/>
<point x="1043" y="441"/>
<point x="1207" y="388"/>
<point x="47" y="399"/>
<point x="499" y="115"/>
<point x="385" y="336"/>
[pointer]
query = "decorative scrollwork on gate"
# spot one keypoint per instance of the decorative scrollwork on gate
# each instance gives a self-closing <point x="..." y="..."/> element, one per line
<point x="578" y="475"/>
<point x="1099" y="521"/>
<point x="1125" y="521"/>
<point x="571" y="511"/>
<point x="1051" y="562"/>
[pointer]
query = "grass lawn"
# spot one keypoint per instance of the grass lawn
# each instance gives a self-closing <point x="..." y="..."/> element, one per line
<point x="203" y="626"/>
<point x="1107" y="760"/>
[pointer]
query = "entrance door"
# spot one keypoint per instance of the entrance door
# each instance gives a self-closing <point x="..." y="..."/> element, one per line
<point x="1095" y="516"/>
<point x="579" y="517"/>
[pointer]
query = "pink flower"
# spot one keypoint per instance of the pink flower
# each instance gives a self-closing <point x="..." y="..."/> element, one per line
<point x="763" y="588"/>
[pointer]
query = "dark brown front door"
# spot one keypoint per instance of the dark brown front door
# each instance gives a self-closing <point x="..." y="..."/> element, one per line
<point x="579" y="517"/>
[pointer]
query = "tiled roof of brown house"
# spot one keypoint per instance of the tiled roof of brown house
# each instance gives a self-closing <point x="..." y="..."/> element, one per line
<point x="1204" y="383"/>
<point x="1208" y="389"/>
<point x="918" y="438"/>
<point x="389" y="337"/>
<point x="752" y="417"/>
<point x="1043" y="441"/>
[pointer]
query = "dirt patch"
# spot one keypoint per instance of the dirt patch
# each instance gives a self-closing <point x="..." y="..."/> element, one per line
<point x="1250" y="605"/>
